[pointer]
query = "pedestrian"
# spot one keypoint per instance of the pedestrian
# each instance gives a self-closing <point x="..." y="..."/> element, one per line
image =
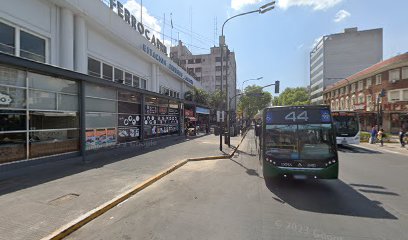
<point x="401" y="137"/>
<point x="380" y="135"/>
<point x="373" y="134"/>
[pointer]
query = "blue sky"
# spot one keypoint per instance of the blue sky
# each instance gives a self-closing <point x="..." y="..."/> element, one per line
<point x="274" y="45"/>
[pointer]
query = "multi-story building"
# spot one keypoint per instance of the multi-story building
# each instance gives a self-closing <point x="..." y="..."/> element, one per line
<point x="379" y="93"/>
<point x="83" y="75"/>
<point x="337" y="56"/>
<point x="206" y="68"/>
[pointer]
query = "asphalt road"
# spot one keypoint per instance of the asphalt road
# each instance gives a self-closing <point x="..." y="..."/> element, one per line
<point x="229" y="199"/>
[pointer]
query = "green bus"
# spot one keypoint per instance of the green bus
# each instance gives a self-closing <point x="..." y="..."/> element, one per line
<point x="297" y="142"/>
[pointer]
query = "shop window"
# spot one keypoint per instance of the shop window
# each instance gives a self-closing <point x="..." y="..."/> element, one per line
<point x="32" y="47"/>
<point x="12" y="97"/>
<point x="128" y="79"/>
<point x="7" y="41"/>
<point x="42" y="100"/>
<point x="118" y="75"/>
<point x="128" y="97"/>
<point x="107" y="71"/>
<point x="100" y="120"/>
<point x="404" y="73"/>
<point x="394" y="75"/>
<point x="92" y="90"/>
<point x="94" y="67"/>
<point x="67" y="102"/>
<point x="42" y="82"/>
<point x="127" y="107"/>
<point x="12" y="147"/>
<point x="12" y="77"/>
<point x="12" y="120"/>
<point x="136" y="81"/>
<point x="47" y="143"/>
<point x="100" y="105"/>
<point x="53" y="120"/>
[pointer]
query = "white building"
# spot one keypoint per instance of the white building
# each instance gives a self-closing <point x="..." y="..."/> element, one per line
<point x="339" y="55"/>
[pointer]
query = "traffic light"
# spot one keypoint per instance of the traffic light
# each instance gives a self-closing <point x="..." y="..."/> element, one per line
<point x="277" y="86"/>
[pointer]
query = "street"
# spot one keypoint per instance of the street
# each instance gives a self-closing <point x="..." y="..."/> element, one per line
<point x="229" y="199"/>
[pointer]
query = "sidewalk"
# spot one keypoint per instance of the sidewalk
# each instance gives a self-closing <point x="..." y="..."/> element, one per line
<point x="37" y="201"/>
<point x="388" y="147"/>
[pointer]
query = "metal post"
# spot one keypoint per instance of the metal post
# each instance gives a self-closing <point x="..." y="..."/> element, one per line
<point x="142" y="115"/>
<point x="228" y="100"/>
<point x="221" y="123"/>
<point x="82" y="121"/>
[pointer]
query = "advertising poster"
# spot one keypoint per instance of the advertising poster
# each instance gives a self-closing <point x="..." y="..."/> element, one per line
<point x="162" y="110"/>
<point x="128" y="134"/>
<point x="90" y="138"/>
<point x="173" y="111"/>
<point x="100" y="137"/>
<point x="128" y="120"/>
<point x="111" y="136"/>
<point x="151" y="109"/>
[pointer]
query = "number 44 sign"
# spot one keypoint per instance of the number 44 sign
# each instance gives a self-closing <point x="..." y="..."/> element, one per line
<point x="301" y="116"/>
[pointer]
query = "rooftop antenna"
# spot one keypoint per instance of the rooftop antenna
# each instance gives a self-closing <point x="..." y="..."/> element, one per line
<point x="215" y="31"/>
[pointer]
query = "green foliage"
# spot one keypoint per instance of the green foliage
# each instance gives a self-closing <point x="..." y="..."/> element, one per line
<point x="197" y="95"/>
<point x="253" y="100"/>
<point x="216" y="99"/>
<point x="292" y="96"/>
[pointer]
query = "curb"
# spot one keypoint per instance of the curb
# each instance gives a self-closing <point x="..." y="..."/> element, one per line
<point x="74" y="225"/>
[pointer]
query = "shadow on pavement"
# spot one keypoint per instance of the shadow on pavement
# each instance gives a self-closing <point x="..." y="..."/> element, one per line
<point x="29" y="176"/>
<point x="326" y="196"/>
<point x="249" y="171"/>
<point x="355" y="149"/>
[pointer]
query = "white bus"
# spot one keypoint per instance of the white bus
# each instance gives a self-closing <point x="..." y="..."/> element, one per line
<point x="347" y="127"/>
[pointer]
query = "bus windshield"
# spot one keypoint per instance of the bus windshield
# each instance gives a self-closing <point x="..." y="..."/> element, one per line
<point x="303" y="141"/>
<point x="346" y="125"/>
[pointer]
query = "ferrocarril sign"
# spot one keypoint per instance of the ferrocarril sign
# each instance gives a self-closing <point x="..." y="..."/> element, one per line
<point x="118" y="8"/>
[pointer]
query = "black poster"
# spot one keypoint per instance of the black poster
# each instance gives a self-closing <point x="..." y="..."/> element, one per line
<point x="128" y="134"/>
<point x="151" y="109"/>
<point x="173" y="111"/>
<point x="128" y="120"/>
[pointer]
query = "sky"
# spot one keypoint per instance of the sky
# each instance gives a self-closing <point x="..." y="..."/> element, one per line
<point x="274" y="45"/>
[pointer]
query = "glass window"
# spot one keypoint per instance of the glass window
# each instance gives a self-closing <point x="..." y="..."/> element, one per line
<point x="368" y="83"/>
<point x="118" y="75"/>
<point x="47" y="143"/>
<point x="32" y="47"/>
<point x="42" y="100"/>
<point x="12" y="120"/>
<point x="68" y="102"/>
<point x="136" y="83"/>
<point x="143" y="84"/>
<point x="128" y="79"/>
<point x="360" y="85"/>
<point x="107" y="72"/>
<point x="94" y="67"/>
<point x="12" y="147"/>
<point x="404" y="73"/>
<point x="12" y="77"/>
<point x="43" y="82"/>
<point x="197" y="69"/>
<point x="198" y="60"/>
<point x="92" y="90"/>
<point x="129" y="96"/>
<point x="217" y="68"/>
<point x="100" y="105"/>
<point x="101" y="120"/>
<point x="7" y="40"/>
<point x="12" y="97"/>
<point x="190" y="61"/>
<point x="315" y="141"/>
<point x="395" y="95"/>
<point x="394" y="75"/>
<point x="127" y="107"/>
<point x="405" y="95"/>
<point x="53" y="120"/>
<point x="378" y="79"/>
<point x="218" y="59"/>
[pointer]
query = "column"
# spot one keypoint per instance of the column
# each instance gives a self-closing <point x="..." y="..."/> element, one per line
<point x="154" y="78"/>
<point x="67" y="39"/>
<point x="80" y="46"/>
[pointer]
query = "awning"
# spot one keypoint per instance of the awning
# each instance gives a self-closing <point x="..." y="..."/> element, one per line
<point x="192" y="119"/>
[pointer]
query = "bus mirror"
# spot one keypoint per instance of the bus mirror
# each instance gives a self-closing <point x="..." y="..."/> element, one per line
<point x="257" y="130"/>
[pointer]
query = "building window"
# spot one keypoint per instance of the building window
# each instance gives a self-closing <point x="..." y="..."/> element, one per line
<point x="395" y="95"/>
<point x="360" y="98"/>
<point x="128" y="79"/>
<point x="353" y="87"/>
<point x="218" y="59"/>
<point x="198" y="60"/>
<point x="7" y="41"/>
<point x="378" y="79"/>
<point x="394" y="75"/>
<point x="94" y="67"/>
<point x="217" y="68"/>
<point x="32" y="47"/>
<point x="136" y="83"/>
<point x="143" y="83"/>
<point x="197" y="69"/>
<point x="346" y="89"/>
<point x="218" y="78"/>
<point x="198" y="78"/>
<point x="368" y="83"/>
<point x="107" y="72"/>
<point x="360" y="85"/>
<point x="190" y="61"/>
<point x="404" y="73"/>
<point x="405" y="95"/>
<point x="118" y="76"/>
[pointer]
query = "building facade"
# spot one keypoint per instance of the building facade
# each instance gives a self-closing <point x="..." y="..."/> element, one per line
<point x="83" y="75"/>
<point x="378" y="93"/>
<point x="337" y="56"/>
<point x="206" y="68"/>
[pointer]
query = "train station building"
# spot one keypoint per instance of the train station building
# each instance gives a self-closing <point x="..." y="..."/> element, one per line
<point x="78" y="76"/>
<point x="378" y="93"/>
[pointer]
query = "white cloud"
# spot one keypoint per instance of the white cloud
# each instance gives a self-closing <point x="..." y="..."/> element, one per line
<point x="315" y="4"/>
<point x="341" y="15"/>
<point x="300" y="46"/>
<point x="148" y="20"/>
<point x="316" y="41"/>
<point x="238" y="4"/>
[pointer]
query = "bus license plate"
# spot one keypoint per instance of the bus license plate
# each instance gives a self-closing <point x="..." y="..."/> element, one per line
<point x="300" y="177"/>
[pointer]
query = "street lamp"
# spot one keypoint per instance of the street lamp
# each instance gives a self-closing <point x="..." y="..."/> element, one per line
<point x="263" y="9"/>
<point x="252" y="79"/>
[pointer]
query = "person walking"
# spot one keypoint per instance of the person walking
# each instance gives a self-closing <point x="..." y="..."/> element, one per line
<point x="380" y="135"/>
<point x="373" y="134"/>
<point x="401" y="137"/>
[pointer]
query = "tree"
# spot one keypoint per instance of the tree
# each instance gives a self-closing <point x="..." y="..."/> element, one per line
<point x="216" y="99"/>
<point x="253" y="100"/>
<point x="197" y="95"/>
<point x="292" y="96"/>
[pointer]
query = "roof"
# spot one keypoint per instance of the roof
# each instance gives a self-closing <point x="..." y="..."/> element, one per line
<point x="369" y="70"/>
